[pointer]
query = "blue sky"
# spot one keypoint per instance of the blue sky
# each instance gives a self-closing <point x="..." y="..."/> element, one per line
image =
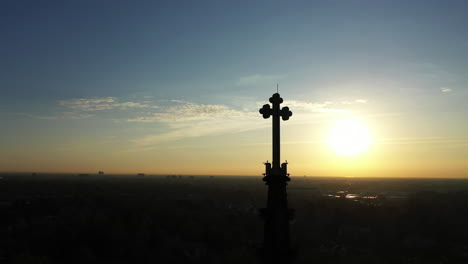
<point x="80" y="73"/>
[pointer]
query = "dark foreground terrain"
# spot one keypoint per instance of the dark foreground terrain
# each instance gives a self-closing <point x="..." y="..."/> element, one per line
<point x="183" y="219"/>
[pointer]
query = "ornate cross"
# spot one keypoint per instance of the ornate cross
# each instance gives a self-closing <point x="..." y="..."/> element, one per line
<point x="267" y="111"/>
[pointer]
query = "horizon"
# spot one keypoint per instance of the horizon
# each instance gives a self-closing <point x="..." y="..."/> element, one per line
<point x="39" y="174"/>
<point x="159" y="87"/>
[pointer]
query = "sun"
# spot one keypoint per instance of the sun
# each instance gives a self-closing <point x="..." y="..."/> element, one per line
<point x="349" y="137"/>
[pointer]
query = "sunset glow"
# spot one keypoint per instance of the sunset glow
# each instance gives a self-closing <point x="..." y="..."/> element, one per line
<point x="349" y="137"/>
<point x="175" y="89"/>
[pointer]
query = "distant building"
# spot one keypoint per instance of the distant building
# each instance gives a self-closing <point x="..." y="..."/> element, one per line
<point x="101" y="173"/>
<point x="352" y="196"/>
<point x="141" y="174"/>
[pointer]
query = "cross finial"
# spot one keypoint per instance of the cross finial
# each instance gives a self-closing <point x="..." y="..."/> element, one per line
<point x="276" y="100"/>
<point x="285" y="113"/>
<point x="266" y="111"/>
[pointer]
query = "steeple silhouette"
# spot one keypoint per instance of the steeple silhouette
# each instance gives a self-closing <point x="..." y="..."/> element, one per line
<point x="276" y="245"/>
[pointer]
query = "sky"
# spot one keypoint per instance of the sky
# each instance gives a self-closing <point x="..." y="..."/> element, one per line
<point x="174" y="87"/>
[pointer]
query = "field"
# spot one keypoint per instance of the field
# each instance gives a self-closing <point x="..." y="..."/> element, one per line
<point x="214" y="219"/>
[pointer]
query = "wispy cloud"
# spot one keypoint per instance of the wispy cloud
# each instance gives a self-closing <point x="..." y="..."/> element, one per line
<point x="445" y="90"/>
<point x="259" y="79"/>
<point x="324" y="107"/>
<point x="360" y="101"/>
<point x="81" y="108"/>
<point x="186" y="111"/>
<point x="179" y="119"/>
<point x="103" y="103"/>
<point x="210" y="127"/>
<point x="419" y="140"/>
<point x="188" y="120"/>
<point x="320" y="107"/>
<point x="66" y="115"/>
<point x="58" y="115"/>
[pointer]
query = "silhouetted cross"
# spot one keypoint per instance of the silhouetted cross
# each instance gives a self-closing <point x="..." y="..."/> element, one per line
<point x="285" y="113"/>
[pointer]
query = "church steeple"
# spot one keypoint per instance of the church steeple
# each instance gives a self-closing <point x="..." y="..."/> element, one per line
<point x="276" y="247"/>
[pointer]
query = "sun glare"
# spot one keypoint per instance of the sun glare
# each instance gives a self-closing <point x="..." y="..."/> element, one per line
<point x="349" y="137"/>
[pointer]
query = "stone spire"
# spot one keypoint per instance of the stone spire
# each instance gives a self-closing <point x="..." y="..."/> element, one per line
<point x="276" y="247"/>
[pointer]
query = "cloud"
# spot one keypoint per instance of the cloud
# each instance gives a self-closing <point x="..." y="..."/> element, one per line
<point x="179" y="119"/>
<point x="187" y="120"/>
<point x="90" y="104"/>
<point x="65" y="115"/>
<point x="357" y="101"/>
<point x="321" y="107"/>
<point x="80" y="108"/>
<point x="445" y="90"/>
<point x="259" y="79"/>
<point x="103" y="103"/>
<point x="211" y="127"/>
<point x="419" y="140"/>
<point x="186" y="111"/>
